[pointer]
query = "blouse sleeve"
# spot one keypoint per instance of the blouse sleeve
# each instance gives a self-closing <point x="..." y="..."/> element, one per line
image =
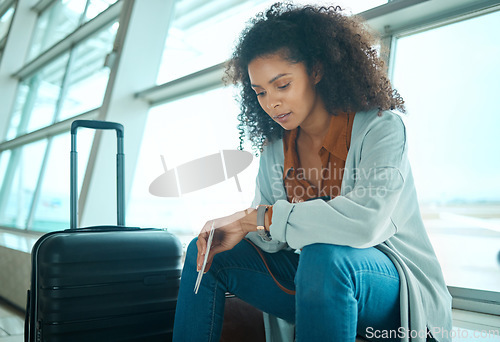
<point x="269" y="187"/>
<point x="361" y="217"/>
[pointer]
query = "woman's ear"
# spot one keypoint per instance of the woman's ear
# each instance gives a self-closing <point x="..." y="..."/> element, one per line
<point x="317" y="73"/>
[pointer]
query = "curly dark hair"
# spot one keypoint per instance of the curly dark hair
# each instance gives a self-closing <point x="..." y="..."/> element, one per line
<point x="354" y="77"/>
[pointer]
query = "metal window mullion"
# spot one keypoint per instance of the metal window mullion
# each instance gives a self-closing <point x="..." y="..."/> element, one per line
<point x="123" y="21"/>
<point x="191" y="84"/>
<point x="386" y="49"/>
<point x="5" y="7"/>
<point x="84" y="13"/>
<point x="432" y="22"/>
<point x="42" y="133"/>
<point x="389" y="7"/>
<point x="42" y="5"/>
<point x="392" y="58"/>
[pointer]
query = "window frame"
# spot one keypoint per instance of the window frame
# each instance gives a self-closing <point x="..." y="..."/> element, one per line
<point x="469" y="299"/>
<point x="65" y="45"/>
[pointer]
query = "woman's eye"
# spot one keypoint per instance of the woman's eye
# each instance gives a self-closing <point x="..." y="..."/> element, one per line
<point x="260" y="94"/>
<point x="284" y="86"/>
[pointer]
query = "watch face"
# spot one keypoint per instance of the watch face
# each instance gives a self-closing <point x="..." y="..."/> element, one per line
<point x="263" y="234"/>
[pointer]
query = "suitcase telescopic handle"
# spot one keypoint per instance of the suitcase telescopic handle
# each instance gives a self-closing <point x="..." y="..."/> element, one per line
<point x="120" y="173"/>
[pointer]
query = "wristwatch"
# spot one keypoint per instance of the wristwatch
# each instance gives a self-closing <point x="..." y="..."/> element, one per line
<point x="261" y="217"/>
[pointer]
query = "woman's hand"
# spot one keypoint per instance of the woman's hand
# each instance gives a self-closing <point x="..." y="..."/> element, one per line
<point x="228" y="232"/>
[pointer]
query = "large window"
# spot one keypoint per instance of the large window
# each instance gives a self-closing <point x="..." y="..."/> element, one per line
<point x="19" y="186"/>
<point x="37" y="99"/>
<point x="448" y="77"/>
<point x="34" y="192"/>
<point x="63" y="18"/>
<point x="71" y="84"/>
<point x="51" y="206"/>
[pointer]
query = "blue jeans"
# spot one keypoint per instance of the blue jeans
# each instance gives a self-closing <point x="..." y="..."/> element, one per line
<point x="340" y="292"/>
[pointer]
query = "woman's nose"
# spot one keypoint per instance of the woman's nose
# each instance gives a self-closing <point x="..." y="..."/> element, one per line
<point x="273" y="102"/>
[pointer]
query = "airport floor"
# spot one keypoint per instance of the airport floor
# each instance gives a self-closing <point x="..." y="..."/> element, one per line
<point x="468" y="327"/>
<point x="11" y="324"/>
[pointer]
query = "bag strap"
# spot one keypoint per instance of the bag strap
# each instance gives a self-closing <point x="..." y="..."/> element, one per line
<point x="284" y="289"/>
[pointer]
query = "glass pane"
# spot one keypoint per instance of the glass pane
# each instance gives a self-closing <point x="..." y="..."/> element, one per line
<point x="4" y="159"/>
<point x="15" y="121"/>
<point x="26" y="163"/>
<point x="55" y="23"/>
<point x="88" y="76"/>
<point x="190" y="44"/>
<point x="199" y="36"/>
<point x="52" y="210"/>
<point x="182" y="136"/>
<point x="37" y="99"/>
<point x="96" y="7"/>
<point x="449" y="80"/>
<point x="5" y="21"/>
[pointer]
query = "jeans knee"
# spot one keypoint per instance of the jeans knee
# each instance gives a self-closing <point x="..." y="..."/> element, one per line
<point x="322" y="275"/>
<point x="321" y="266"/>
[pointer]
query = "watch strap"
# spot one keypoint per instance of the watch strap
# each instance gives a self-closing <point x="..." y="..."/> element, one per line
<point x="261" y="219"/>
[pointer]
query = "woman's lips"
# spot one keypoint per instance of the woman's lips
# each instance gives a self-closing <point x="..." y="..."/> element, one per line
<point x="282" y="117"/>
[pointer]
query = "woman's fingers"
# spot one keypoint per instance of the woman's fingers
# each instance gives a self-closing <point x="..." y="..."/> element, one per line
<point x="201" y="243"/>
<point x="227" y="233"/>
<point x="199" y="259"/>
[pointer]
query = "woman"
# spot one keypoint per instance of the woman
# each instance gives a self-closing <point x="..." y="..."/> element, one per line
<point x="338" y="215"/>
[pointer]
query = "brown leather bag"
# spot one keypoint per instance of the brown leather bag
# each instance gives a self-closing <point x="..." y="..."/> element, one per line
<point x="242" y="322"/>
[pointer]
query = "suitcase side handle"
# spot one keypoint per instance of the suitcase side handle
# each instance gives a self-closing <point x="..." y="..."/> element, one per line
<point x="120" y="169"/>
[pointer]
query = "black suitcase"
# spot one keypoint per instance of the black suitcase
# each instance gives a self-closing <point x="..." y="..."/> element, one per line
<point x="103" y="283"/>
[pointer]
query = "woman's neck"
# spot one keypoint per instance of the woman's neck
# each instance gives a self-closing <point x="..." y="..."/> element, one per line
<point x="314" y="130"/>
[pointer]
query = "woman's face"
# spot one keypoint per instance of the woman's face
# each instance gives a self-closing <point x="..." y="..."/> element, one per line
<point x="285" y="91"/>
